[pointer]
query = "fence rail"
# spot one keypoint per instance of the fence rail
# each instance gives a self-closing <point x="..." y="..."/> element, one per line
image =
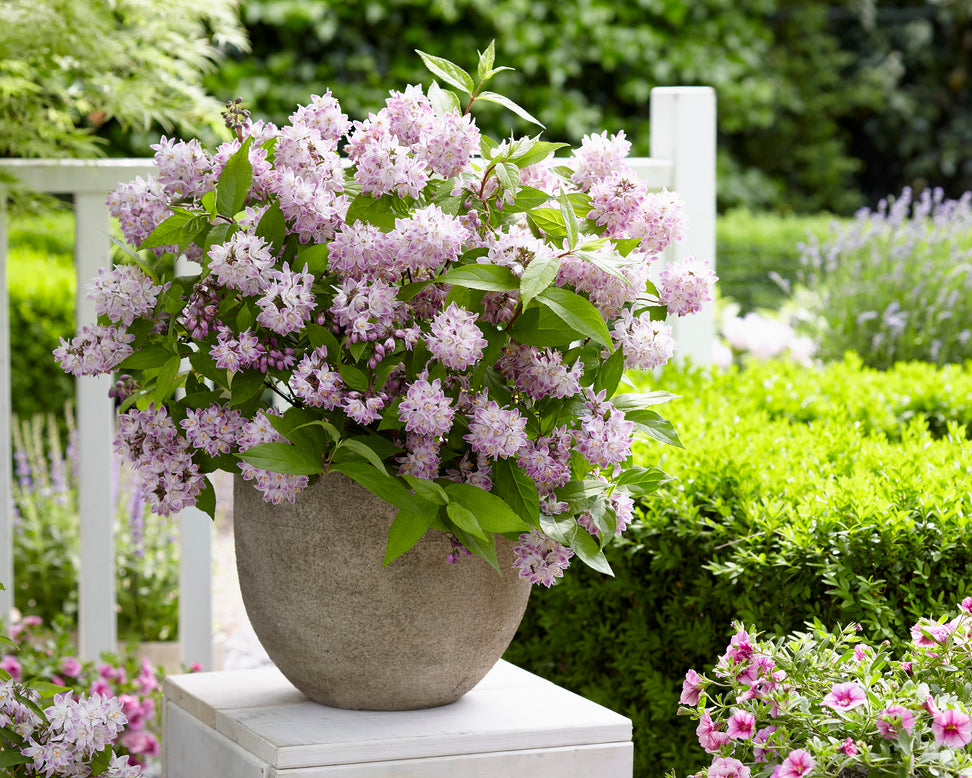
<point x="683" y="138"/>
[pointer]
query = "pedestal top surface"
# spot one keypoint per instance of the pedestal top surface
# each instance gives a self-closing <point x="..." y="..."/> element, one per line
<point x="510" y="709"/>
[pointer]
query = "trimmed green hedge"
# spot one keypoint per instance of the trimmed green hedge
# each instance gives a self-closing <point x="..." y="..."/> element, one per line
<point x="42" y="285"/>
<point x="802" y="494"/>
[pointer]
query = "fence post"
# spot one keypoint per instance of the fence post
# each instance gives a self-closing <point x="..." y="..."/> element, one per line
<point x="6" y="425"/>
<point x="683" y="129"/>
<point x="195" y="568"/>
<point x="97" y="628"/>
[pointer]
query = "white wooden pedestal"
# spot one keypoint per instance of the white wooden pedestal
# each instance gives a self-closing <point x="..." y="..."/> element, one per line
<point x="253" y="723"/>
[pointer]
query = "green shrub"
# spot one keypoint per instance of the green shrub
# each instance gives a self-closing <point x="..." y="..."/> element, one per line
<point x="753" y="247"/>
<point x="42" y="287"/>
<point x="894" y="284"/>
<point x="802" y="494"/>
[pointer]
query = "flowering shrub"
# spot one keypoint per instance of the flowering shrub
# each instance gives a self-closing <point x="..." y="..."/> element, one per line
<point x="47" y="543"/>
<point x="59" y="716"/>
<point x="441" y="317"/>
<point x="828" y="704"/>
<point x="893" y="284"/>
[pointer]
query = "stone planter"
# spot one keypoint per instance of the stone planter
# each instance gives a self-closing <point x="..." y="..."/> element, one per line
<point x="351" y="634"/>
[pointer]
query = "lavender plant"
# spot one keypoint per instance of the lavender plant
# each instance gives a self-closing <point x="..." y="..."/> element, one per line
<point x="825" y="703"/>
<point x="894" y="284"/>
<point x="47" y="541"/>
<point x="442" y="317"/>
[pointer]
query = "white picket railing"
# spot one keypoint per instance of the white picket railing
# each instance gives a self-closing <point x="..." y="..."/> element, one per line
<point x="683" y="144"/>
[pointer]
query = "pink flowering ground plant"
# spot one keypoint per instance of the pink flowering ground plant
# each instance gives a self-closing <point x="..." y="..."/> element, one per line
<point x="827" y="704"/>
<point x="442" y="317"/>
<point x="62" y="717"/>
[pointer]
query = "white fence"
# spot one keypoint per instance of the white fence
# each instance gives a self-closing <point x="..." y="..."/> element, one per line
<point x="683" y="143"/>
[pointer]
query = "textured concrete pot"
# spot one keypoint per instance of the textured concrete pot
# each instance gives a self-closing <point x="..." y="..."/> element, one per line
<point x="351" y="634"/>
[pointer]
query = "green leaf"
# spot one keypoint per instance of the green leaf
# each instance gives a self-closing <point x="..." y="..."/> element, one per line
<point x="179" y="229"/>
<point x="408" y="291"/>
<point x="406" y="530"/>
<point x="578" y="313"/>
<point x="654" y="426"/>
<point x="245" y="385"/>
<point x="208" y="202"/>
<point x="508" y="175"/>
<point x="537" y="276"/>
<point x="570" y="219"/>
<point x="140" y="261"/>
<point x="527" y="198"/>
<point x="609" y="375"/>
<point x="206" y="501"/>
<point x="11" y="758"/>
<point x="234" y="182"/>
<point x="354" y="377"/>
<point x="464" y="519"/>
<point x="205" y="365"/>
<point x="630" y="401"/>
<point x="322" y="336"/>
<point x="492" y="97"/>
<point x="486" y="59"/>
<point x="492" y="513"/>
<point x="101" y="761"/>
<point x="588" y="549"/>
<point x="165" y="381"/>
<point x="539" y="326"/>
<point x="549" y="221"/>
<point x="149" y="356"/>
<point x="273" y="227"/>
<point x="283" y="458"/>
<point x="536" y="153"/>
<point x="491" y="278"/>
<point x="515" y="488"/>
<point x="384" y="486"/>
<point x="47" y="690"/>
<point x="448" y="71"/>
<point x="640" y="481"/>
<point x="360" y="448"/>
<point x="427" y="490"/>
<point x="483" y="549"/>
<point x="379" y="211"/>
<point x="444" y="101"/>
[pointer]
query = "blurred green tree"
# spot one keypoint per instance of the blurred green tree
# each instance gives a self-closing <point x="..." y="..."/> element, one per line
<point x="73" y="72"/>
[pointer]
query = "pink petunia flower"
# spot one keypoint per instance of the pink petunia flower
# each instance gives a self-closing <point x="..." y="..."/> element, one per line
<point x="710" y="738"/>
<point x="844" y="696"/>
<point x="70" y="666"/>
<point x="849" y="748"/>
<point x="741" y="725"/>
<point x="893" y="719"/>
<point x="796" y="764"/>
<point x="929" y="635"/>
<point x="691" y="688"/>
<point x="728" y="767"/>
<point x="952" y="728"/>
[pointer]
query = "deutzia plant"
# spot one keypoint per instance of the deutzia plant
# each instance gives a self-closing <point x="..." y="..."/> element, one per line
<point x="826" y="703"/>
<point x="442" y="317"/>
<point x="46" y="730"/>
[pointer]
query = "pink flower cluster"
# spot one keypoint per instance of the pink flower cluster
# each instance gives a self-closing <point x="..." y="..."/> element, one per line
<point x="76" y="729"/>
<point x="879" y="716"/>
<point x="150" y="440"/>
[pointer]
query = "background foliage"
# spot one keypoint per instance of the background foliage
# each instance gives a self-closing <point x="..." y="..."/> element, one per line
<point x="822" y="105"/>
<point x="837" y="494"/>
<point x="69" y="68"/>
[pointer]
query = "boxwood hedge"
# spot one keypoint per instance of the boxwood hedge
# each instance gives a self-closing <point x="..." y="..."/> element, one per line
<point x="837" y="494"/>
